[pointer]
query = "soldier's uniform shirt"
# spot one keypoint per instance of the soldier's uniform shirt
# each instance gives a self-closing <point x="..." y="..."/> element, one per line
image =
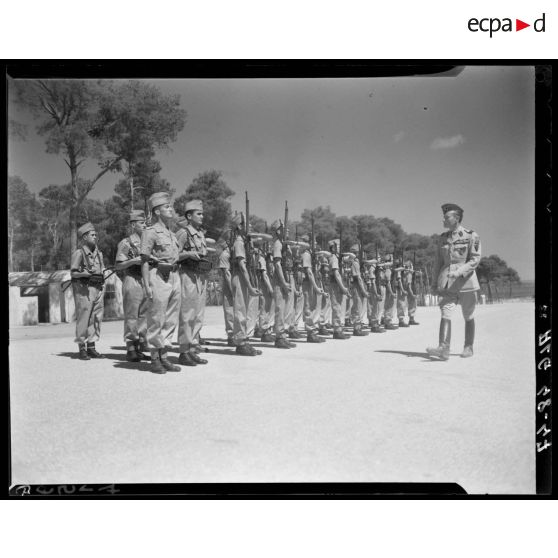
<point x="134" y="301"/>
<point x="88" y="299"/>
<point x="336" y="296"/>
<point x="458" y="251"/>
<point x="193" y="293"/>
<point x="162" y="315"/>
<point x="228" y="304"/>
<point x="240" y="294"/>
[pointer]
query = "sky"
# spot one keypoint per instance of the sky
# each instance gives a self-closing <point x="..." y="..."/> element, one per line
<point x="389" y="147"/>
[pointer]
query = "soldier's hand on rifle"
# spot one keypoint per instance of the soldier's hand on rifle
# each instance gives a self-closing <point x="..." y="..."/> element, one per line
<point x="298" y="293"/>
<point x="253" y="292"/>
<point x="453" y="274"/>
<point x="321" y="292"/>
<point x="193" y="255"/>
<point x="286" y="288"/>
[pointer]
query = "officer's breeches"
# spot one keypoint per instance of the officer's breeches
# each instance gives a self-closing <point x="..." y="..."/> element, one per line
<point x="89" y="303"/>
<point x="240" y="297"/>
<point x="228" y="311"/>
<point x="135" y="306"/>
<point x="312" y="307"/>
<point x="467" y="300"/>
<point x="162" y="313"/>
<point x="192" y="309"/>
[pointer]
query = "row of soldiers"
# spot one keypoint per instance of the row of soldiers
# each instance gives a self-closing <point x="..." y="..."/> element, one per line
<point x="268" y="282"/>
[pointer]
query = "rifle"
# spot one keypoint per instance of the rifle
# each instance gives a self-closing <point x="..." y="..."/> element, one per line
<point x="251" y="263"/>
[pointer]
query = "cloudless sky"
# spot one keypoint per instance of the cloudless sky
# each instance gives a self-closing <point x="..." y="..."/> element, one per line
<point x="390" y="147"/>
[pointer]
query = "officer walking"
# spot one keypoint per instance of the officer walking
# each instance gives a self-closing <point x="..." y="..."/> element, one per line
<point x="458" y="255"/>
<point x="193" y="269"/>
<point x="337" y="292"/>
<point x="161" y="283"/>
<point x="134" y="301"/>
<point x="87" y="272"/>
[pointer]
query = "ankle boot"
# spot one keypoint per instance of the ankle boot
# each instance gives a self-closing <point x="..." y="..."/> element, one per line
<point x="156" y="366"/>
<point x="131" y="354"/>
<point x="92" y="352"/>
<point x="444" y="339"/>
<point x="83" y="352"/>
<point x="469" y="339"/>
<point x="167" y="365"/>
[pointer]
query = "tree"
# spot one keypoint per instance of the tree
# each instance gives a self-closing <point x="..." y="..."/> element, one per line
<point x="22" y="223"/>
<point x="209" y="187"/>
<point x="67" y="112"/>
<point x="324" y="224"/>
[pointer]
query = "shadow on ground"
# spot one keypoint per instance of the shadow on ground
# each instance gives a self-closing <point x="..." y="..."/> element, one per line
<point x="424" y="356"/>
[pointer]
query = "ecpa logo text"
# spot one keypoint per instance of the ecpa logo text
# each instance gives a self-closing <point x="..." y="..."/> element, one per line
<point x="494" y="24"/>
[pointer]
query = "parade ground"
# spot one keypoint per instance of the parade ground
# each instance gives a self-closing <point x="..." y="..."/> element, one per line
<point x="369" y="409"/>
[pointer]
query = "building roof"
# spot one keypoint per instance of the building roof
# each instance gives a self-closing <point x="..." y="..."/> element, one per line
<point x="37" y="278"/>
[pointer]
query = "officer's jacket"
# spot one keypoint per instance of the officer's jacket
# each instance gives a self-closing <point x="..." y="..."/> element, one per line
<point x="85" y="259"/>
<point x="458" y="251"/>
<point x="189" y="238"/>
<point x="160" y="242"/>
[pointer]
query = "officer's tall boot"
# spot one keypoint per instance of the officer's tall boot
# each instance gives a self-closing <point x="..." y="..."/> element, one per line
<point x="469" y="338"/>
<point x="444" y="339"/>
<point x="156" y="366"/>
<point x="168" y="366"/>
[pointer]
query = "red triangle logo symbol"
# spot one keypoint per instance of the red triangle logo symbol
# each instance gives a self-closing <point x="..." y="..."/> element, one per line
<point x="519" y="25"/>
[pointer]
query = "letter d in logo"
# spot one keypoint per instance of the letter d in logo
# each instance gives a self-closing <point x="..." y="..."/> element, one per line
<point x="540" y="21"/>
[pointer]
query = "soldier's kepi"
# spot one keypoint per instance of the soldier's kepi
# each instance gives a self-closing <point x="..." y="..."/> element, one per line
<point x="194" y="267"/>
<point x="458" y="255"/>
<point x="159" y="254"/>
<point x="87" y="272"/>
<point x="134" y="300"/>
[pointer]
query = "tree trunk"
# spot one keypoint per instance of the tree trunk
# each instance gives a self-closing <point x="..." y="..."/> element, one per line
<point x="73" y="205"/>
<point x="32" y="257"/>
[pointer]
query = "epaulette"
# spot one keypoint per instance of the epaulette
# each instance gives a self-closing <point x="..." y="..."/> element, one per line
<point x="469" y="231"/>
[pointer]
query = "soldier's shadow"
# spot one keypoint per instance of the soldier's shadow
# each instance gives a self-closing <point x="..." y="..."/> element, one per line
<point x="414" y="354"/>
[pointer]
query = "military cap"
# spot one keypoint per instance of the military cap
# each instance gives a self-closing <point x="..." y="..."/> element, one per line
<point x="335" y="242"/>
<point x="158" y="198"/>
<point x="137" y="215"/>
<point x="277" y="224"/>
<point x="84" y="229"/>
<point x="193" y="205"/>
<point x="305" y="237"/>
<point x="451" y="207"/>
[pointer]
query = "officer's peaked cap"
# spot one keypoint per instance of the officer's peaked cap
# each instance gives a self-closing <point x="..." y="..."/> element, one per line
<point x="451" y="207"/>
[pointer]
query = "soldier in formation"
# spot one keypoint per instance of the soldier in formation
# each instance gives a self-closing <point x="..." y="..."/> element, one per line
<point x="87" y="273"/>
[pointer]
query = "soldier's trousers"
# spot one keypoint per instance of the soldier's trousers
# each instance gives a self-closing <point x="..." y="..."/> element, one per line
<point x="280" y="298"/>
<point x="298" y="310"/>
<point x="376" y="307"/>
<point x="89" y="303"/>
<point x="337" y="306"/>
<point x="162" y="313"/>
<point x="228" y="311"/>
<point x="253" y="312"/>
<point x="135" y="305"/>
<point x="312" y="307"/>
<point x="412" y="305"/>
<point x="358" y="308"/>
<point x="267" y="310"/>
<point x="240" y="302"/>
<point x="402" y="306"/>
<point x="390" y="309"/>
<point x="325" y="316"/>
<point x="290" y="306"/>
<point x="193" y="297"/>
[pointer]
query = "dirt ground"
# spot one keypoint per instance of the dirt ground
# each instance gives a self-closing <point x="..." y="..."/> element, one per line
<point x="369" y="409"/>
